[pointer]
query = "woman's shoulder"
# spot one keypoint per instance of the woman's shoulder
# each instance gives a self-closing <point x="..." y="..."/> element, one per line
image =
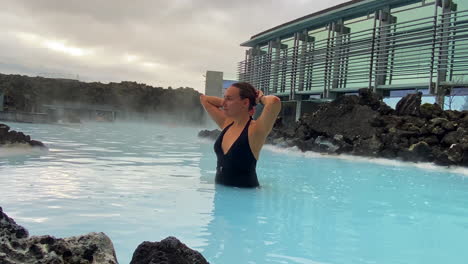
<point x="227" y="122"/>
<point x="254" y="127"/>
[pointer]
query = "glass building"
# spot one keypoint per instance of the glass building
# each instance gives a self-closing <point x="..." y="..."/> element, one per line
<point x="386" y="46"/>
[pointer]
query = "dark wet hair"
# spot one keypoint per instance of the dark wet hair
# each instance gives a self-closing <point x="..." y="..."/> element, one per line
<point x="246" y="90"/>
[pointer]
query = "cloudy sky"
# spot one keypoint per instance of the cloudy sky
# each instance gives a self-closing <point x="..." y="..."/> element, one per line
<point x="161" y="43"/>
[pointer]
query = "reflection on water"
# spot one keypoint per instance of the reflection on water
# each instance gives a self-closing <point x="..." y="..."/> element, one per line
<point x="20" y="150"/>
<point x="138" y="182"/>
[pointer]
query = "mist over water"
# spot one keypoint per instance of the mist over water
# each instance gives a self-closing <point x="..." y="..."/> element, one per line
<point x="144" y="181"/>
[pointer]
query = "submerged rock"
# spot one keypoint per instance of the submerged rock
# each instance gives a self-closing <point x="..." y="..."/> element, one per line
<point x="8" y="136"/>
<point x="213" y="134"/>
<point x="167" y="251"/>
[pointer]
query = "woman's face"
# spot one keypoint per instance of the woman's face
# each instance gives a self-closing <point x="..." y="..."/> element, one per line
<point x="233" y="104"/>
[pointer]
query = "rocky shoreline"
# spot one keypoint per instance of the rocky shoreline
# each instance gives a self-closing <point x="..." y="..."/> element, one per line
<point x="48" y="100"/>
<point x="365" y="126"/>
<point x="16" y="246"/>
<point x="8" y="137"/>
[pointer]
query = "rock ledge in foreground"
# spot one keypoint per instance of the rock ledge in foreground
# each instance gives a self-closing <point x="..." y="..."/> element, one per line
<point x="94" y="248"/>
<point x="17" y="247"/>
<point x="167" y="251"/>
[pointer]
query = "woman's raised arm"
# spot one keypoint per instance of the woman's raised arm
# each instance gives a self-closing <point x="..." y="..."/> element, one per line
<point x="271" y="109"/>
<point x="212" y="105"/>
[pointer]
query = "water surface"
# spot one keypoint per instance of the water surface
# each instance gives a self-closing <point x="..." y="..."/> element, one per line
<point x="138" y="182"/>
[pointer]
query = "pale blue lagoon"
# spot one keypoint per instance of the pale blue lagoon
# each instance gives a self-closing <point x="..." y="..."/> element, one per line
<point x="138" y="182"/>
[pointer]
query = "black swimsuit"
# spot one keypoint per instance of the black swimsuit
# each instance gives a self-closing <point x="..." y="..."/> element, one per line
<point x="237" y="167"/>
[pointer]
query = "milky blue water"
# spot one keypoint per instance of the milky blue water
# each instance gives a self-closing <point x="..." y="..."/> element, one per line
<point x="138" y="182"/>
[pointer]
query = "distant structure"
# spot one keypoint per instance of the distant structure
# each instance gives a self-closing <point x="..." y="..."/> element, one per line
<point x="385" y="46"/>
<point x="215" y="85"/>
<point x="56" y="75"/>
<point x="78" y="111"/>
<point x="1" y="100"/>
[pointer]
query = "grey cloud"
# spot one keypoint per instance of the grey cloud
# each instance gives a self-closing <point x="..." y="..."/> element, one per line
<point x="187" y="36"/>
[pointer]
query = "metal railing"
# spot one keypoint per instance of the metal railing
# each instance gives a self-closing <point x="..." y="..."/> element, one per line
<point x="428" y="50"/>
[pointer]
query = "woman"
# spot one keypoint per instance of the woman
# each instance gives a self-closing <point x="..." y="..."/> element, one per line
<point x="238" y="146"/>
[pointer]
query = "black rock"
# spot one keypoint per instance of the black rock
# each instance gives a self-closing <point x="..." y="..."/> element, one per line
<point x="420" y="151"/>
<point x="374" y="101"/>
<point x="167" y="251"/>
<point x="453" y="115"/>
<point x="409" y="105"/>
<point x="344" y="117"/>
<point x="319" y="144"/>
<point x="17" y="247"/>
<point x="431" y="140"/>
<point x="9" y="229"/>
<point x="212" y="134"/>
<point x="455" y="153"/>
<point x="14" y="137"/>
<point x="450" y="138"/>
<point x="430" y="110"/>
<point x="368" y="147"/>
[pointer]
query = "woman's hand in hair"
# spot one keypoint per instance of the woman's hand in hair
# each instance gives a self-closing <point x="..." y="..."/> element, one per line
<point x="259" y="96"/>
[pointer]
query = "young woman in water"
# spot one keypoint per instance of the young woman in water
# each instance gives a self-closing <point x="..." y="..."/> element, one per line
<point x="238" y="146"/>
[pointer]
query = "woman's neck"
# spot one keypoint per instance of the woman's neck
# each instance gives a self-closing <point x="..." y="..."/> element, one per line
<point x="241" y="120"/>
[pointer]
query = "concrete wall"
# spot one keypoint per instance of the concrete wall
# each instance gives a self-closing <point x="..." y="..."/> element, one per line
<point x="214" y="83"/>
<point x="288" y="112"/>
<point x="291" y="111"/>
<point x="24" y="117"/>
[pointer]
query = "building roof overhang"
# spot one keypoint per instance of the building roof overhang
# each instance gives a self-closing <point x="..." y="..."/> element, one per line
<point x="348" y="10"/>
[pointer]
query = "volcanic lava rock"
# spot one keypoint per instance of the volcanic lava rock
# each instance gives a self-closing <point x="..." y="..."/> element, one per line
<point x="167" y="251"/>
<point x="212" y="134"/>
<point x="17" y="247"/>
<point x="8" y="136"/>
<point x="409" y="105"/>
